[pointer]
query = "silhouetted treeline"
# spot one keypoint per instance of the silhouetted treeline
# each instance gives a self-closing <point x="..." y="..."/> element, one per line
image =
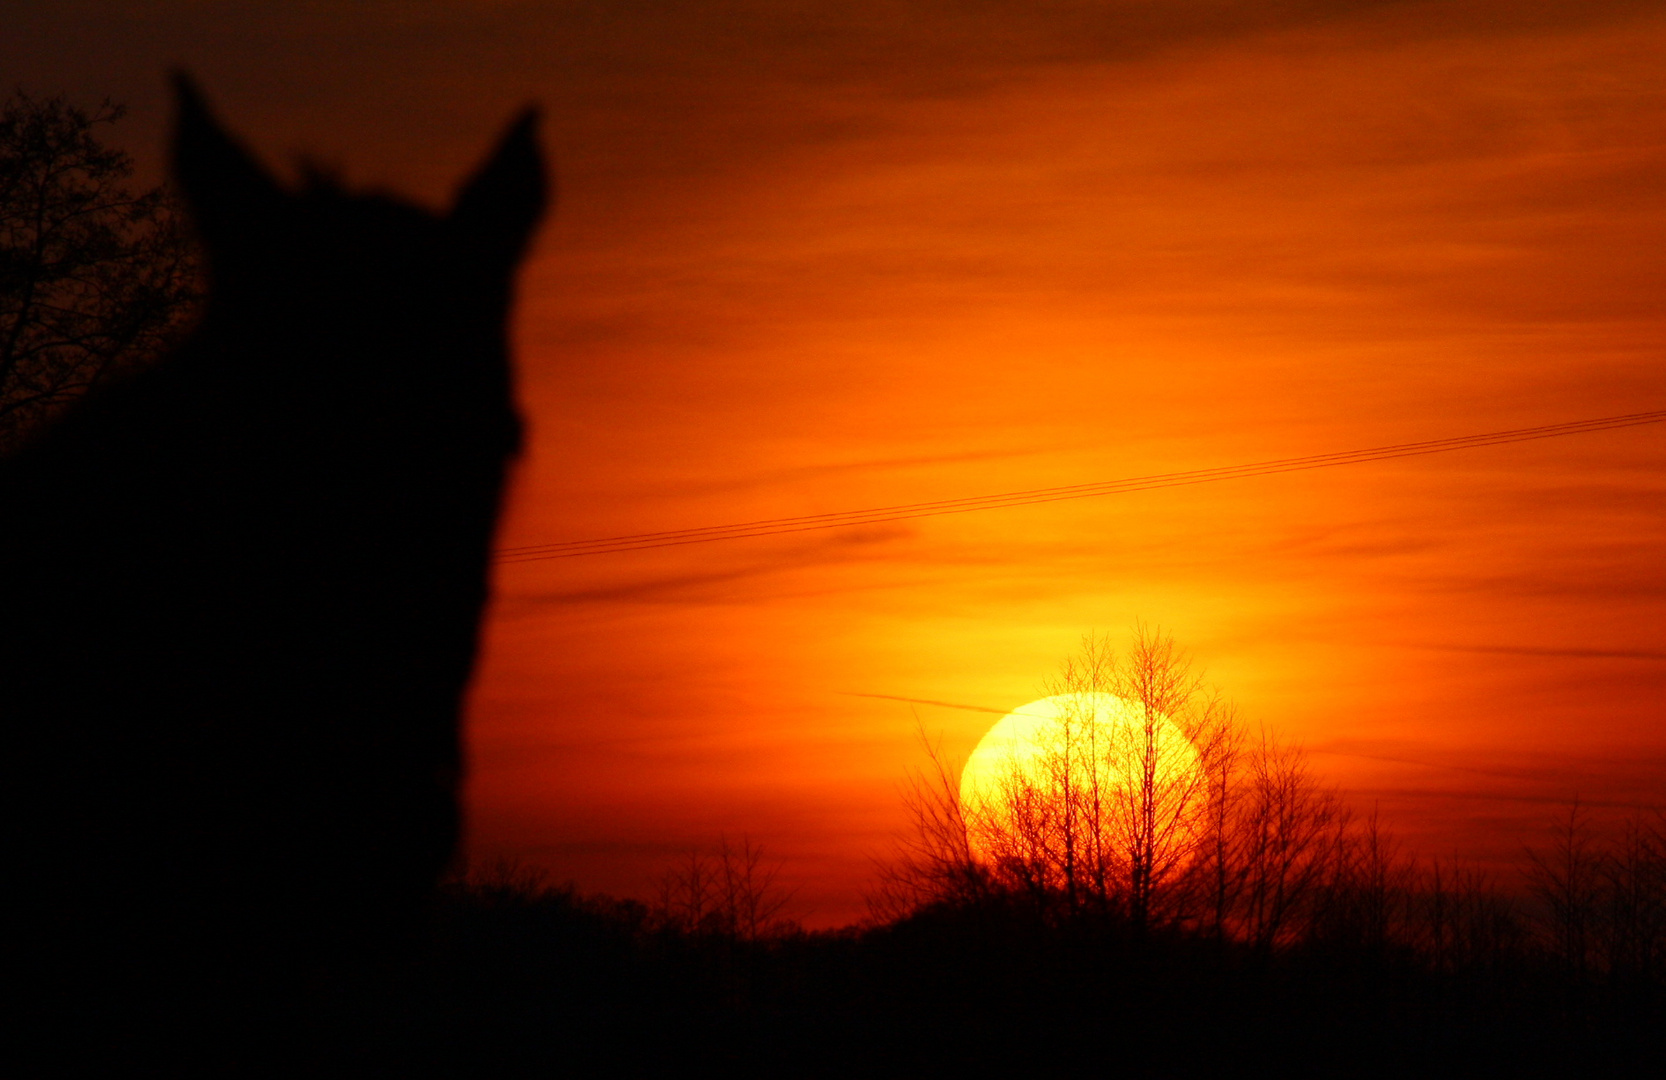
<point x="1384" y="967"/>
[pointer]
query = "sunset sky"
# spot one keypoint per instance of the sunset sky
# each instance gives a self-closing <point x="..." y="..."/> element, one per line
<point x="825" y="256"/>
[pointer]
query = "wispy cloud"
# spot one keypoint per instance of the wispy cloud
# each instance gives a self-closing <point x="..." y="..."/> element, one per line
<point x="1539" y="650"/>
<point x="1471" y="795"/>
<point x="802" y="473"/>
<point x="928" y="701"/>
<point x="713" y="586"/>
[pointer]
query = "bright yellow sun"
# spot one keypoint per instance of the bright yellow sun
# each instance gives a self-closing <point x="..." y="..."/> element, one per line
<point x="1078" y="761"/>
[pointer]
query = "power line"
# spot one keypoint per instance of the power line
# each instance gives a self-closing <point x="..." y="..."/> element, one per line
<point x="905" y="511"/>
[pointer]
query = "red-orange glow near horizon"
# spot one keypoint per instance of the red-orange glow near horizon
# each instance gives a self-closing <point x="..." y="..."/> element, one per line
<point x="822" y="257"/>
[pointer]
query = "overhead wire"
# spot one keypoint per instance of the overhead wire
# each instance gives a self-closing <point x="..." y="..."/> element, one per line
<point x="906" y="511"/>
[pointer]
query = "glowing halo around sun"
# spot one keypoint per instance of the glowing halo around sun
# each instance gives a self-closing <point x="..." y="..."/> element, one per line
<point x="1109" y="749"/>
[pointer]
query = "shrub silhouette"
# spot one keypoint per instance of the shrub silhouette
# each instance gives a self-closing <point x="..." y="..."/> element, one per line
<point x="241" y="599"/>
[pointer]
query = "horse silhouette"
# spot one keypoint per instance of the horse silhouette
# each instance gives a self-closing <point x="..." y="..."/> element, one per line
<point x="241" y="596"/>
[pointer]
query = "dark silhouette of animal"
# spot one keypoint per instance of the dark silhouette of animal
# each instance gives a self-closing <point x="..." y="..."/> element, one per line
<point x="239" y="608"/>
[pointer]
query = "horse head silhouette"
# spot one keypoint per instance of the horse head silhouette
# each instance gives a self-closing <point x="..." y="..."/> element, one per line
<point x="242" y="591"/>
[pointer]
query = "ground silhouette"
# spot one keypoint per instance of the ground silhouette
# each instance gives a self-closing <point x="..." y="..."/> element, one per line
<point x="240" y="607"/>
<point x="533" y="980"/>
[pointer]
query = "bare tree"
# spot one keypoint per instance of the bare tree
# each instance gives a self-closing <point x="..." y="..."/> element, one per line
<point x="1110" y="807"/>
<point x="750" y="897"/>
<point x="1365" y="897"/>
<point x="1220" y="867"/>
<point x="1566" y="878"/>
<point x="94" y="277"/>
<point x="733" y="893"/>
<point x="1634" y="907"/>
<point x="1166" y="806"/>
<point x="1467" y="931"/>
<point x="933" y="862"/>
<point x="1291" y="827"/>
<point x="686" y="894"/>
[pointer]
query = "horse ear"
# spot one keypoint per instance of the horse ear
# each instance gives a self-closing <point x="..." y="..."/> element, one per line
<point x="497" y="209"/>
<point x="226" y="188"/>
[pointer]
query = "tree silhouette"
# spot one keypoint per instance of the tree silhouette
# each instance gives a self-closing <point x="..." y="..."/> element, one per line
<point x="94" y="277"/>
<point x="1116" y="818"/>
<point x="1634" y="910"/>
<point x="1566" y="879"/>
<point x="733" y="893"/>
<point x="1601" y="907"/>
<point x="1291" y="830"/>
<point x="1109" y="813"/>
<point x="934" y="862"/>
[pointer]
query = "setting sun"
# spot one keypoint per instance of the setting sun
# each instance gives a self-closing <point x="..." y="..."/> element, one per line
<point x="1099" y="794"/>
<point x="1076" y="752"/>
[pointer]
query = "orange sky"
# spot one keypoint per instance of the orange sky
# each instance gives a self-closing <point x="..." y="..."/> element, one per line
<point x="864" y="254"/>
